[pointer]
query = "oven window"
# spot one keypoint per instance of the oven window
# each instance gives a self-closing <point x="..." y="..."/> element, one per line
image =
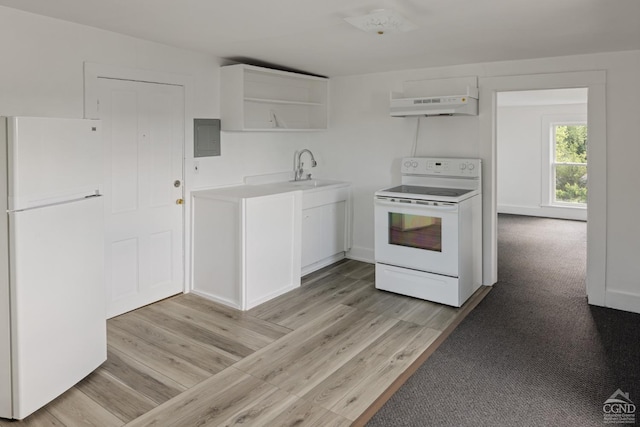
<point x="415" y="231"/>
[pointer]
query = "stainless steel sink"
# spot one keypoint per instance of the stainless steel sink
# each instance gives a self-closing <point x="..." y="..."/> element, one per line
<point x="312" y="183"/>
<point x="315" y="192"/>
<point x="306" y="184"/>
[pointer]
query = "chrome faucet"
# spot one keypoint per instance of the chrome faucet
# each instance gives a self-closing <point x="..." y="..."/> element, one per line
<point x="298" y="166"/>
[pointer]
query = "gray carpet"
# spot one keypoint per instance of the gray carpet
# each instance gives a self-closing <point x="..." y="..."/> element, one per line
<point x="533" y="353"/>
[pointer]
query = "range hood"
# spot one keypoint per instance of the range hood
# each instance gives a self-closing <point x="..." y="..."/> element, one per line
<point x="449" y="105"/>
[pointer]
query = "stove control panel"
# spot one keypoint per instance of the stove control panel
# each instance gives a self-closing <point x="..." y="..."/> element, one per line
<point x="441" y="166"/>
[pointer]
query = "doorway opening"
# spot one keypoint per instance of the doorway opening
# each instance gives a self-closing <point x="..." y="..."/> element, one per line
<point x="542" y="166"/>
<point x="595" y="82"/>
<point x="542" y="156"/>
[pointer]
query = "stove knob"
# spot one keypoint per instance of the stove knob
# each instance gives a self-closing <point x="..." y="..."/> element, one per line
<point x="463" y="166"/>
<point x="407" y="164"/>
<point x="471" y="166"/>
<point x="414" y="164"/>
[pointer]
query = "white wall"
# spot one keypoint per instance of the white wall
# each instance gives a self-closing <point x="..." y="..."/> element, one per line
<point x="364" y="145"/>
<point x="42" y="64"/>
<point x="520" y="158"/>
<point x="42" y="75"/>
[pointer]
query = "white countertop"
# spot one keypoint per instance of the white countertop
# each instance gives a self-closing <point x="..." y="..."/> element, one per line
<point x="248" y="190"/>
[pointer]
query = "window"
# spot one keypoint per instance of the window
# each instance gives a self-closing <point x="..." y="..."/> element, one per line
<point x="569" y="164"/>
<point x="564" y="161"/>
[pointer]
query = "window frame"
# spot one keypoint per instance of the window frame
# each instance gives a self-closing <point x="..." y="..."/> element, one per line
<point x="549" y="163"/>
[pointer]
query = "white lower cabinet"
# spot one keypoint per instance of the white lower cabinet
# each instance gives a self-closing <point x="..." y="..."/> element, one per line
<point x="246" y="246"/>
<point x="251" y="243"/>
<point x="325" y="228"/>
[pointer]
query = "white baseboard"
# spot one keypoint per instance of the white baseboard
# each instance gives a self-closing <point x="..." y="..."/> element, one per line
<point x="272" y="295"/>
<point x="223" y="301"/>
<point x="545" y="211"/>
<point x="362" y="254"/>
<point x="623" y="301"/>
<point x="322" y="263"/>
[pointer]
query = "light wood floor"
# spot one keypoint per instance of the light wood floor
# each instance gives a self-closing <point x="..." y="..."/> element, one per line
<point x="320" y="355"/>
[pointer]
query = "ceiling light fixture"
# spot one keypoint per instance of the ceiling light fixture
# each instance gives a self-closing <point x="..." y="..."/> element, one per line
<point x="381" y="21"/>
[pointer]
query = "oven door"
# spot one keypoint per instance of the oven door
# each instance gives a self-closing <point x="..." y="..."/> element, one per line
<point x="417" y="236"/>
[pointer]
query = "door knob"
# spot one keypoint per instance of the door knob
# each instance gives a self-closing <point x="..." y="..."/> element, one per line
<point x="179" y="202"/>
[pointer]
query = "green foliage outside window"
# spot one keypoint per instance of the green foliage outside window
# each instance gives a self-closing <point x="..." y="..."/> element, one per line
<point x="571" y="163"/>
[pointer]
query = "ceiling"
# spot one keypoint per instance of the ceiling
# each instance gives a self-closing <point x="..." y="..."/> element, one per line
<point x="312" y="36"/>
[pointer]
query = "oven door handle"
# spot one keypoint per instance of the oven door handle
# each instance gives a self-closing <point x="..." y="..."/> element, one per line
<point x="448" y="207"/>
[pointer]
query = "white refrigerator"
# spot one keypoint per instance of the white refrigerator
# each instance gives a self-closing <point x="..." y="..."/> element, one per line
<point x="52" y="297"/>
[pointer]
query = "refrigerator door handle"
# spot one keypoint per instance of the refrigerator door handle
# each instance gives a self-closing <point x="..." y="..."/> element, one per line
<point x="64" y="202"/>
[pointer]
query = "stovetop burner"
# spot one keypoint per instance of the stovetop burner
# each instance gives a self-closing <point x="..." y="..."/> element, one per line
<point x="425" y="179"/>
<point x="428" y="191"/>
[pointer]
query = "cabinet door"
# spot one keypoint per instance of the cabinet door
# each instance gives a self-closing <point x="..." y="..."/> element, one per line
<point x="323" y="232"/>
<point x="271" y="246"/>
<point x="313" y="229"/>
<point x="335" y="228"/>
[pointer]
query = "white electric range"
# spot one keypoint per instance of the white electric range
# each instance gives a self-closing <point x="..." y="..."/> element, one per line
<point x="428" y="231"/>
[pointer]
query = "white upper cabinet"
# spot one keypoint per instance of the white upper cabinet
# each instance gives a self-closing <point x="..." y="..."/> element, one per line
<point x="261" y="99"/>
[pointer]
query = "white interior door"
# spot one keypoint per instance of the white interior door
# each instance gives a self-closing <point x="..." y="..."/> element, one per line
<point x="143" y="132"/>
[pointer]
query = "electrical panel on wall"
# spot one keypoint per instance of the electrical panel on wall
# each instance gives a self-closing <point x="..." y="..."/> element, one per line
<point x="206" y="137"/>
